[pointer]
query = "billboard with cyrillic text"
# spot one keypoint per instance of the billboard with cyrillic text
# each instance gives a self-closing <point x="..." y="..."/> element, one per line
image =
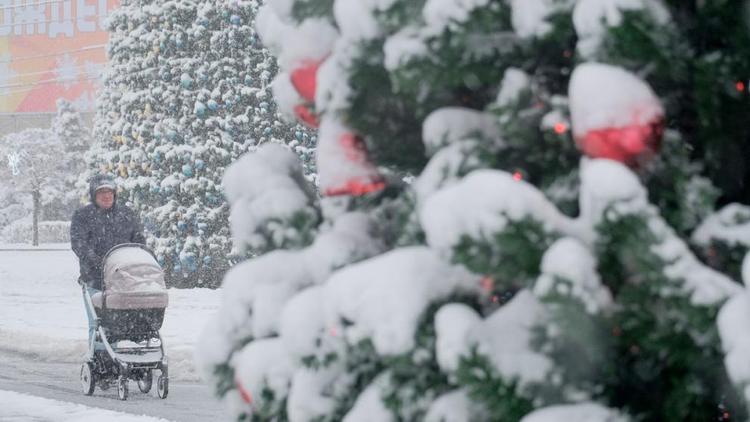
<point x="51" y="49"/>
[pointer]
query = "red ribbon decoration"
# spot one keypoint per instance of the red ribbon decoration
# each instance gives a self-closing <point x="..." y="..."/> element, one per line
<point x="625" y="144"/>
<point x="304" y="79"/>
<point x="356" y="188"/>
<point x="305" y="115"/>
<point x="356" y="152"/>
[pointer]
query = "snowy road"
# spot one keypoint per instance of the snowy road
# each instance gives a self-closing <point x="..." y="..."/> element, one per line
<point x="187" y="402"/>
<point x="42" y="339"/>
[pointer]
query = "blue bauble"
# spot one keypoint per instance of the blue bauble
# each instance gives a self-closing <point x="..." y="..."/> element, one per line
<point x="186" y="81"/>
<point x="213" y="105"/>
<point x="199" y="109"/>
<point x="190" y="260"/>
<point x="172" y="135"/>
<point x="248" y="80"/>
<point x="187" y="170"/>
<point x="155" y="189"/>
<point x="181" y="226"/>
<point x="199" y="164"/>
<point x="298" y="135"/>
<point x="235" y="20"/>
<point x="177" y="268"/>
<point x="267" y="130"/>
<point x="206" y="260"/>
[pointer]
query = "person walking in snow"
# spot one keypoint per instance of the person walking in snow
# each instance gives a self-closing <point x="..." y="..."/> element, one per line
<point x="96" y="228"/>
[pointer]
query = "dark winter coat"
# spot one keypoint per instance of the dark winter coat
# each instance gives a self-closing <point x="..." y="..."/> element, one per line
<point x="94" y="231"/>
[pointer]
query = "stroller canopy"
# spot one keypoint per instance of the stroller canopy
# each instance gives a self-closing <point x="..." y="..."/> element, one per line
<point x="132" y="269"/>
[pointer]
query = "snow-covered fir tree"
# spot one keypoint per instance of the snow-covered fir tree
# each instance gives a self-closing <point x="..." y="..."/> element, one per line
<point x="33" y="173"/>
<point x="185" y="94"/>
<point x="68" y="127"/>
<point x="554" y="258"/>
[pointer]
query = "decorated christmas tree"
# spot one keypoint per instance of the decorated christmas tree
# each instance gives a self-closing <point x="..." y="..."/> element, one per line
<point x="521" y="216"/>
<point x="185" y="94"/>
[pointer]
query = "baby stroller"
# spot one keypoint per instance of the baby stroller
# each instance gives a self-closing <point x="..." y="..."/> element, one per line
<point x="129" y="313"/>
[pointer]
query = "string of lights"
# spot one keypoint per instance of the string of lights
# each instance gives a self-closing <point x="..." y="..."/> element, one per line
<point x="31" y="88"/>
<point x="12" y="25"/>
<point x="59" y="53"/>
<point x="26" y="87"/>
<point x="41" y="3"/>
<point x="79" y="68"/>
<point x="48" y="81"/>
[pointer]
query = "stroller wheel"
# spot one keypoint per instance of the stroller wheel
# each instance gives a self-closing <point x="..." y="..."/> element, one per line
<point x="145" y="382"/>
<point x="122" y="388"/>
<point x="162" y="386"/>
<point x="87" y="378"/>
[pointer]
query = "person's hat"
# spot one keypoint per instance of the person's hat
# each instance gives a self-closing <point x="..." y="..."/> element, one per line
<point x="104" y="182"/>
<point x="105" y="185"/>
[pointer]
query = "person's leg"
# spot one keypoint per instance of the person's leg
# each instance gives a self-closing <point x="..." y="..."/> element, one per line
<point x="91" y="318"/>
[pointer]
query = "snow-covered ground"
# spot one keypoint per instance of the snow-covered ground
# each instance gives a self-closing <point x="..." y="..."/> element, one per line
<point x="41" y="310"/>
<point x="16" y="407"/>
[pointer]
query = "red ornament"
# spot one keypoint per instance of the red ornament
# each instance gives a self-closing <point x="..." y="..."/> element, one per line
<point x="304" y="79"/>
<point x="615" y="114"/>
<point x="626" y="144"/>
<point x="356" y="188"/>
<point x="354" y="148"/>
<point x="305" y="115"/>
<point x="344" y="165"/>
<point x="246" y="397"/>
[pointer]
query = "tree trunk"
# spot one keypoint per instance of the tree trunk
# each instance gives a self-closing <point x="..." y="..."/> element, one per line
<point x="35" y="223"/>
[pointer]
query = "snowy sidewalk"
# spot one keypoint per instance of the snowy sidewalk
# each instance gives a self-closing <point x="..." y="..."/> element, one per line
<point x="42" y="315"/>
<point x="16" y="407"/>
<point x="27" y="247"/>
